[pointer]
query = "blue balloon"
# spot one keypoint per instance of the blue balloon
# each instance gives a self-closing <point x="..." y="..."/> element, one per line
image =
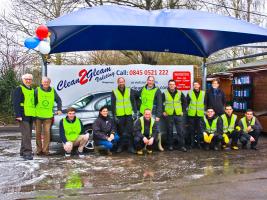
<point x="31" y="43"/>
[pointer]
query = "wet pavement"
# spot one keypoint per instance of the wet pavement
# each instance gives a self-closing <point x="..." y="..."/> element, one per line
<point x="197" y="174"/>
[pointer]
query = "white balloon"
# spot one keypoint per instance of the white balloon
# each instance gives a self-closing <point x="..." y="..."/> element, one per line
<point x="44" y="47"/>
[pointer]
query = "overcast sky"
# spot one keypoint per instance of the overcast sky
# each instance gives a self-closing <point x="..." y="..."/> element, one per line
<point x="4" y="4"/>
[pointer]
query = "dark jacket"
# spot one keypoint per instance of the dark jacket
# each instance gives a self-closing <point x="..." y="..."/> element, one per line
<point x="102" y="128"/>
<point x="256" y="127"/>
<point x="219" y="125"/>
<point x="18" y="98"/>
<point x="62" y="131"/>
<point x="216" y="99"/>
<point x="157" y="108"/>
<point x="57" y="98"/>
<point x="132" y="98"/>
<point x="138" y="128"/>
<point x="183" y="100"/>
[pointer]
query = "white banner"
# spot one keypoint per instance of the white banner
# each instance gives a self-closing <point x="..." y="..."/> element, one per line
<point x="73" y="82"/>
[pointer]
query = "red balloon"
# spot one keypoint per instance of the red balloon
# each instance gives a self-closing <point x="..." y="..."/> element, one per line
<point x="42" y="32"/>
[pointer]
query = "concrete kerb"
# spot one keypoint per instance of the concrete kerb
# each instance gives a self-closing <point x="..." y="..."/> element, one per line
<point x="14" y="128"/>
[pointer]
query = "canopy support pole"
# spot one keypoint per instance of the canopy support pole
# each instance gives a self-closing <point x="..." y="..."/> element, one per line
<point x="43" y="61"/>
<point x="204" y="74"/>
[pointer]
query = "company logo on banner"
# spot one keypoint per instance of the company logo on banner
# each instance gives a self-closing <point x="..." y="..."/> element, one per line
<point x="85" y="76"/>
<point x="73" y="82"/>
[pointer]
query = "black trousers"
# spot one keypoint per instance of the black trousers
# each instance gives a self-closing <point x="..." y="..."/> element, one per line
<point x="125" y="130"/>
<point x="26" y="137"/>
<point x="214" y="142"/>
<point x="234" y="136"/>
<point x="245" y="137"/>
<point x="139" y="143"/>
<point x="193" y="129"/>
<point x="178" y="122"/>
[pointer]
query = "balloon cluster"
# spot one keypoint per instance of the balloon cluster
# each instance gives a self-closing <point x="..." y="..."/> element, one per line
<point x="41" y="41"/>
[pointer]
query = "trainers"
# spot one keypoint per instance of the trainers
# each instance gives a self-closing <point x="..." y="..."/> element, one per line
<point x="67" y="155"/>
<point x="28" y="157"/>
<point x="170" y="148"/>
<point x="253" y="148"/>
<point x="149" y="151"/>
<point x="109" y="153"/>
<point x="216" y="148"/>
<point x="80" y="154"/>
<point x="119" y="149"/>
<point x="131" y="150"/>
<point x="183" y="149"/>
<point x="139" y="152"/>
<point x="224" y="146"/>
<point x="235" y="147"/>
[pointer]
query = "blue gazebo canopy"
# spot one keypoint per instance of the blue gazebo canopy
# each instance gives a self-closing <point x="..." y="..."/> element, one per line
<point x="124" y="28"/>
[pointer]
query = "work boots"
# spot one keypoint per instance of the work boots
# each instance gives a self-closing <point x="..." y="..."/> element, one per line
<point x="159" y="143"/>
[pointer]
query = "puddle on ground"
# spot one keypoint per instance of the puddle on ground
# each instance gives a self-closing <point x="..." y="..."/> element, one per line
<point x="123" y="173"/>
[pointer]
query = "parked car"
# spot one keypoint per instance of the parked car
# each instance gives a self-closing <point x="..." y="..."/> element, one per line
<point x="87" y="109"/>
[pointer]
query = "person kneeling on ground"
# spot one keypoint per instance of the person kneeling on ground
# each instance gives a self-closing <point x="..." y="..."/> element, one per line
<point x="250" y="130"/>
<point x="145" y="132"/>
<point x="230" y="128"/>
<point x="212" y="129"/>
<point x="72" y="133"/>
<point x="104" y="131"/>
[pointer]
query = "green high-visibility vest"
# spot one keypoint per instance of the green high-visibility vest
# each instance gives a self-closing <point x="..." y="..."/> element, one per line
<point x="245" y="125"/>
<point x="228" y="127"/>
<point x="123" y="103"/>
<point x="172" y="104"/>
<point x="44" y="108"/>
<point x="147" y="99"/>
<point x="213" y="128"/>
<point x="28" y="104"/>
<point x="196" y="106"/>
<point x="143" y="126"/>
<point x="72" y="130"/>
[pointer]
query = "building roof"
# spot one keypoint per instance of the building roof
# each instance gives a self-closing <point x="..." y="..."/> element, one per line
<point x="250" y="67"/>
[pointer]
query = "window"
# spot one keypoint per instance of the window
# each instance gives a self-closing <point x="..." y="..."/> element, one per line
<point x="103" y="102"/>
<point x="81" y="103"/>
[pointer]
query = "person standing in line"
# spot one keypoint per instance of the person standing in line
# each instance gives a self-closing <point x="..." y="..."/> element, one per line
<point x="45" y="96"/>
<point x="24" y="106"/>
<point x="195" y="113"/>
<point x="124" y="110"/>
<point x="174" y="106"/>
<point x="215" y="98"/>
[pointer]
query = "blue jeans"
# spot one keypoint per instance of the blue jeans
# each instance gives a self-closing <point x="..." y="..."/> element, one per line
<point x="107" y="144"/>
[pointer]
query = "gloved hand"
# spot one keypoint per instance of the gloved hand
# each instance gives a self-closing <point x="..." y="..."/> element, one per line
<point x="238" y="128"/>
<point x="206" y="137"/>
<point x="210" y="137"/>
<point x="225" y="138"/>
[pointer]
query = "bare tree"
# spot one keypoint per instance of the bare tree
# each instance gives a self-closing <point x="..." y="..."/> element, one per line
<point x="25" y="16"/>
